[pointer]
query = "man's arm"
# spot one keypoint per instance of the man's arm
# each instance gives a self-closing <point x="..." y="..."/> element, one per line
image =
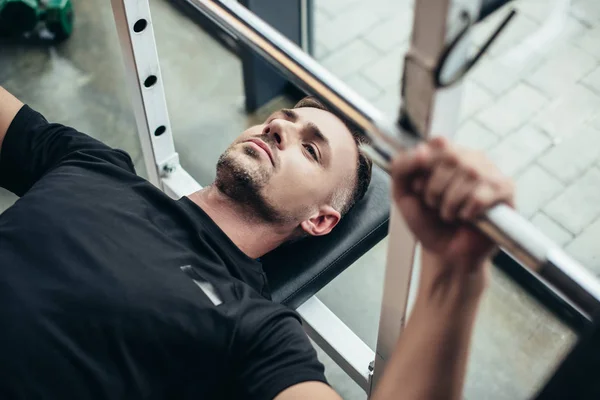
<point x="430" y="359"/>
<point x="31" y="147"/>
<point x="9" y="107"/>
<point x="308" y="390"/>
<point x="439" y="189"/>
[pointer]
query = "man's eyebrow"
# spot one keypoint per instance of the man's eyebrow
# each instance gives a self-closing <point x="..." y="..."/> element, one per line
<point x="312" y="127"/>
<point x="316" y="132"/>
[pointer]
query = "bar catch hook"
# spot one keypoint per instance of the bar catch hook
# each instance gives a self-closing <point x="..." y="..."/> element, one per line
<point x="469" y="63"/>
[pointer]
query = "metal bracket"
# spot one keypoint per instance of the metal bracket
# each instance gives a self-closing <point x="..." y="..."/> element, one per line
<point x="169" y="165"/>
<point x="370" y="382"/>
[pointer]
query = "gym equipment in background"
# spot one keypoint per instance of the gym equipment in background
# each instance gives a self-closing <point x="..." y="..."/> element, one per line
<point x="45" y="20"/>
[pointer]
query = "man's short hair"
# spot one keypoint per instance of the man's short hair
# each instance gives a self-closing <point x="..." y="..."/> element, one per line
<point x="347" y="199"/>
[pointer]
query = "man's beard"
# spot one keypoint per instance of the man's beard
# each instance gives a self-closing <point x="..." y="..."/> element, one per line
<point x="242" y="183"/>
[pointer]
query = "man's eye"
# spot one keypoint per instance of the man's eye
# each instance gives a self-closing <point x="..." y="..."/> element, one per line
<point x="287" y="113"/>
<point x="311" y="150"/>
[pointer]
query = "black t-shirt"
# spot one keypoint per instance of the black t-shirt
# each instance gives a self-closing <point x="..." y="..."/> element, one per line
<point x="103" y="285"/>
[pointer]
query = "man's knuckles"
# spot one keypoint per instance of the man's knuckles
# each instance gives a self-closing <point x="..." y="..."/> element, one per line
<point x="464" y="165"/>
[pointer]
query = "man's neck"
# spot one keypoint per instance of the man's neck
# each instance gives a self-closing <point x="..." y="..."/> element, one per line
<point x="253" y="236"/>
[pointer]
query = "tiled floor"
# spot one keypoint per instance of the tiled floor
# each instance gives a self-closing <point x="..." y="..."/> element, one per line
<point x="537" y="118"/>
<point x="533" y="103"/>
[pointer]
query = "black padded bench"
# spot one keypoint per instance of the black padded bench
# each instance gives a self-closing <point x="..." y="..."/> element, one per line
<point x="299" y="270"/>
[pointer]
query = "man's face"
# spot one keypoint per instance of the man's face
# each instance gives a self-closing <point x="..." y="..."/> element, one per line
<point x="289" y="167"/>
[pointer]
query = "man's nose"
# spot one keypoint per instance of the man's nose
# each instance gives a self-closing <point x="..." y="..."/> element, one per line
<point x="279" y="132"/>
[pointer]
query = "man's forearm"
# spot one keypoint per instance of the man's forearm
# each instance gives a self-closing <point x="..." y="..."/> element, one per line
<point x="9" y="107"/>
<point x="430" y="359"/>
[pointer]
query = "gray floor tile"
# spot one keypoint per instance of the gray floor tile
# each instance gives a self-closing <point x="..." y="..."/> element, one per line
<point x="334" y="7"/>
<point x="350" y="58"/>
<point x="392" y="32"/>
<point x="321" y="16"/>
<point x="363" y="86"/>
<point x="585" y="247"/>
<point x="588" y="41"/>
<point x="386" y="71"/>
<point x="595" y="121"/>
<point x="320" y="50"/>
<point x="519" y="149"/>
<point x="387" y="8"/>
<point x="555" y="12"/>
<point x="592" y="80"/>
<point x="550" y="228"/>
<point x="510" y="330"/>
<point x="512" y="109"/>
<point x="565" y="116"/>
<point x="569" y="158"/>
<point x="537" y="10"/>
<point x="588" y="11"/>
<point x="534" y="188"/>
<point x="475" y="98"/>
<point x="346" y="25"/>
<point x="569" y="63"/>
<point x="389" y="102"/>
<point x="499" y="76"/>
<point x="355" y="295"/>
<point x="579" y="204"/>
<point x="474" y="135"/>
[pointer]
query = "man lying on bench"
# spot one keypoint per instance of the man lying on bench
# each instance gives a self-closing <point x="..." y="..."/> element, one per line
<point x="110" y="289"/>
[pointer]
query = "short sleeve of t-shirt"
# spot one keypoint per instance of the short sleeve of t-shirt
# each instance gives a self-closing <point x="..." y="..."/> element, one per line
<point x="33" y="146"/>
<point x="275" y="354"/>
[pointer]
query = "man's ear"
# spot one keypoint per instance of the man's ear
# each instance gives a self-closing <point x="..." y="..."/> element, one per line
<point x="321" y="223"/>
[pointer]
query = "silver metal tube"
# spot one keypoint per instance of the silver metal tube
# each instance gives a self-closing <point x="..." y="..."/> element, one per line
<point x="505" y="226"/>
<point x="337" y="340"/>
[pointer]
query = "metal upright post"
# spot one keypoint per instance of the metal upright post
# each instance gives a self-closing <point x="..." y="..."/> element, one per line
<point x="432" y="112"/>
<point x="144" y="81"/>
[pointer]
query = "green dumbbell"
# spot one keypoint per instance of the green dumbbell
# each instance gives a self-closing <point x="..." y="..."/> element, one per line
<point x="18" y="16"/>
<point x="58" y="17"/>
<point x="29" y="18"/>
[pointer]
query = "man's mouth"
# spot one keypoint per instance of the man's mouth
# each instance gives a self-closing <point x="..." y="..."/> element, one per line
<point x="264" y="147"/>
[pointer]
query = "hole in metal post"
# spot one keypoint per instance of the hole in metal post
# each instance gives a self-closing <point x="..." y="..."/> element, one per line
<point x="140" y="25"/>
<point x="160" y="130"/>
<point x="151" y="80"/>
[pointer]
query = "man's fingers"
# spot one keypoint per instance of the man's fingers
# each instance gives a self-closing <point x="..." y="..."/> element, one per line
<point x="456" y="194"/>
<point x="459" y="182"/>
<point x="494" y="189"/>
<point x="483" y="196"/>
<point x="412" y="161"/>
<point x="422" y="157"/>
<point x="418" y="184"/>
<point x="439" y="180"/>
<point x="408" y="165"/>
